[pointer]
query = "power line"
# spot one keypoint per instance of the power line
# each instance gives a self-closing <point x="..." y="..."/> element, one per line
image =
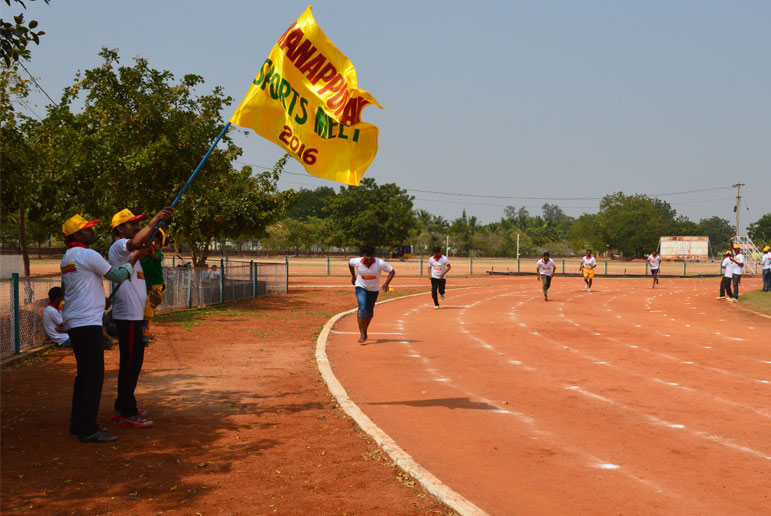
<point x="521" y="198"/>
<point x="38" y="84"/>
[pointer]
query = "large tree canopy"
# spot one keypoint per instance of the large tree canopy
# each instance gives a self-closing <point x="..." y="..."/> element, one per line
<point x="16" y="35"/>
<point x="370" y="214"/>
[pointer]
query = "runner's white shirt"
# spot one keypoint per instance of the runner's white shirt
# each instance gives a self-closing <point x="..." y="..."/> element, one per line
<point x="767" y="260"/>
<point x="52" y="318"/>
<point x="590" y="263"/>
<point x="130" y="300"/>
<point x="738" y="269"/>
<point x="82" y="273"/>
<point x="368" y="278"/>
<point x="728" y="267"/>
<point x="546" y="268"/>
<point x="438" y="267"/>
<point x="654" y="261"/>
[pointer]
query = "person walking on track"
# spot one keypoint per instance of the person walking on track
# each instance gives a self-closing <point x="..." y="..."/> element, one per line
<point x="82" y="272"/>
<point x="725" y="281"/>
<point x="365" y="276"/>
<point x="738" y="265"/>
<point x="438" y="267"/>
<point x="654" y="260"/>
<point x="545" y="268"/>
<point x="128" y="313"/>
<point x="588" y="264"/>
<point x="767" y="269"/>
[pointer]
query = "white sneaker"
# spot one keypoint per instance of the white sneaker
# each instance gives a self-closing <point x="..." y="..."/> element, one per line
<point x="588" y="289"/>
<point x="436" y="307"/>
<point x="720" y="297"/>
<point x="441" y="298"/>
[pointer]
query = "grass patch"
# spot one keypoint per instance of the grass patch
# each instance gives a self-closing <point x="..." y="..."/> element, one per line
<point x="190" y="318"/>
<point x="758" y="300"/>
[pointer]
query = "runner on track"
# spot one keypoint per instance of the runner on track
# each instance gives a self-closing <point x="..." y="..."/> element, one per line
<point x="588" y="264"/>
<point x="654" y="260"/>
<point x="545" y="268"/>
<point x="438" y="267"/>
<point x="365" y="276"/>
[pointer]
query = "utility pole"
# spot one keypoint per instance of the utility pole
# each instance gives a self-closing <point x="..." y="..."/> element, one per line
<point x="447" y="245"/>
<point x="737" y="209"/>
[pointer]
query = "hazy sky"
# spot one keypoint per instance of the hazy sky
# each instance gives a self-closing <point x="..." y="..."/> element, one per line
<point x="556" y="99"/>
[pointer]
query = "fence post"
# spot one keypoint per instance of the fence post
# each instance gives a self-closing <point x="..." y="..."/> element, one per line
<point x="470" y="266"/>
<point x="606" y="268"/>
<point x="421" y="265"/>
<point x="173" y="261"/>
<point x="328" y="273"/>
<point x="286" y="269"/>
<point x="563" y="266"/>
<point x="646" y="267"/>
<point x="256" y="286"/>
<point x="15" y="305"/>
<point x="251" y="278"/>
<point x="517" y="263"/>
<point x="684" y="268"/>
<point x="222" y="281"/>
<point x="191" y="271"/>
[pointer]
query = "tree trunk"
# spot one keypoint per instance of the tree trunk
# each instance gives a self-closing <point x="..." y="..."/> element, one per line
<point x="23" y="240"/>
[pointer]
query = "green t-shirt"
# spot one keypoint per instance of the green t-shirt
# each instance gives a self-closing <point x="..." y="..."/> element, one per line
<point x="153" y="269"/>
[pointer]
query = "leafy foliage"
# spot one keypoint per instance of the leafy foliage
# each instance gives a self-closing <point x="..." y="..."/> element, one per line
<point x="760" y="230"/>
<point x="16" y="36"/>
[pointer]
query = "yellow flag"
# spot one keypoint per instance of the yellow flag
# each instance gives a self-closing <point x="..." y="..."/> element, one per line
<point x="305" y="99"/>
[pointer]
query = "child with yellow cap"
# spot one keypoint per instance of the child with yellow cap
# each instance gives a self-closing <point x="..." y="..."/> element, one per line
<point x="767" y="269"/>
<point x="156" y="284"/>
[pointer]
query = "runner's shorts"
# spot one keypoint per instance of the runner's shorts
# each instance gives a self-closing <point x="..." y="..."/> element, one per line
<point x="588" y="273"/>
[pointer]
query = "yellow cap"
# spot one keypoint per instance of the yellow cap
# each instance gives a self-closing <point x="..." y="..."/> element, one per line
<point x="767" y="248"/>
<point x="124" y="216"/>
<point x="75" y="224"/>
<point x="729" y="253"/>
<point x="163" y="236"/>
<point x="736" y="246"/>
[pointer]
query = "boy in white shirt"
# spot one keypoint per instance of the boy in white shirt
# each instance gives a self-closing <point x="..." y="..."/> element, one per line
<point x="738" y="269"/>
<point x="438" y="267"/>
<point x="767" y="269"/>
<point x="128" y="311"/>
<point x="725" y="281"/>
<point x="545" y="269"/>
<point x="365" y="276"/>
<point x="654" y="260"/>
<point x="588" y="264"/>
<point x="52" y="319"/>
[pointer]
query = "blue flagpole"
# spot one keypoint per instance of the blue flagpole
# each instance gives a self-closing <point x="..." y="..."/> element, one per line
<point x="179" y="195"/>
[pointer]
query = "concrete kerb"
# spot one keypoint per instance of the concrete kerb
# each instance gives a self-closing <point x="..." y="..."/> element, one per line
<point x="400" y="457"/>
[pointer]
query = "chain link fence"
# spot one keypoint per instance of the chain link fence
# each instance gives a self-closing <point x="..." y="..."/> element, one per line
<point x="23" y="299"/>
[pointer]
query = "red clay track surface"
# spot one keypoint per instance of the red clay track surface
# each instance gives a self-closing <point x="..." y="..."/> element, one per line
<point x="626" y="400"/>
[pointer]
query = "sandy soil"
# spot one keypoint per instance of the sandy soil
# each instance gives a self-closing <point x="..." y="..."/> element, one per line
<point x="243" y="425"/>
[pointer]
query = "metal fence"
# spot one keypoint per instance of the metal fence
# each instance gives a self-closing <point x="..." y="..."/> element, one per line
<point x="23" y="299"/>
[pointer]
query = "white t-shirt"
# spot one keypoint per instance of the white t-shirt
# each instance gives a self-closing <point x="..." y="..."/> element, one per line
<point x="654" y="261"/>
<point x="129" y="302"/>
<point x="738" y="269"/>
<point x="52" y="318"/>
<point x="589" y="263"/>
<point x="546" y="268"/>
<point x="767" y="260"/>
<point x="438" y="267"/>
<point x="368" y="278"/>
<point x="82" y="273"/>
<point x="728" y="267"/>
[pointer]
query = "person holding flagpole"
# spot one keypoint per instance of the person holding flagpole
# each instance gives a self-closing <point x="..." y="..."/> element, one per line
<point x="128" y="312"/>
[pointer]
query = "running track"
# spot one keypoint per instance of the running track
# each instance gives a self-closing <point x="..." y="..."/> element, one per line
<point x="625" y="400"/>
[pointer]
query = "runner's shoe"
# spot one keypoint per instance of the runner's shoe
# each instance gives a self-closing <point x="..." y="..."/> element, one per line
<point x="116" y="416"/>
<point x="441" y="297"/>
<point x="720" y="297"/>
<point x="136" y="422"/>
<point x="436" y="307"/>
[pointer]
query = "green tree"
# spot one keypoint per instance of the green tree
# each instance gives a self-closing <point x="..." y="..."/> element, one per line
<point x="760" y="230"/>
<point x="310" y="203"/>
<point x="379" y="215"/>
<point x="135" y="142"/>
<point x="719" y="231"/>
<point x="585" y="233"/>
<point x="633" y="224"/>
<point x="16" y="36"/>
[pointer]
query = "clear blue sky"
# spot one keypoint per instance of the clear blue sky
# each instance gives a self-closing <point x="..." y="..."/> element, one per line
<point x="521" y="99"/>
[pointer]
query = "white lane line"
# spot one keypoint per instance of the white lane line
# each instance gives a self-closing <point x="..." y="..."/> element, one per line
<point x="368" y="333"/>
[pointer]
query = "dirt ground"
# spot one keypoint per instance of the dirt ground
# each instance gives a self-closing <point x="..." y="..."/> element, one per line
<point x="243" y="425"/>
